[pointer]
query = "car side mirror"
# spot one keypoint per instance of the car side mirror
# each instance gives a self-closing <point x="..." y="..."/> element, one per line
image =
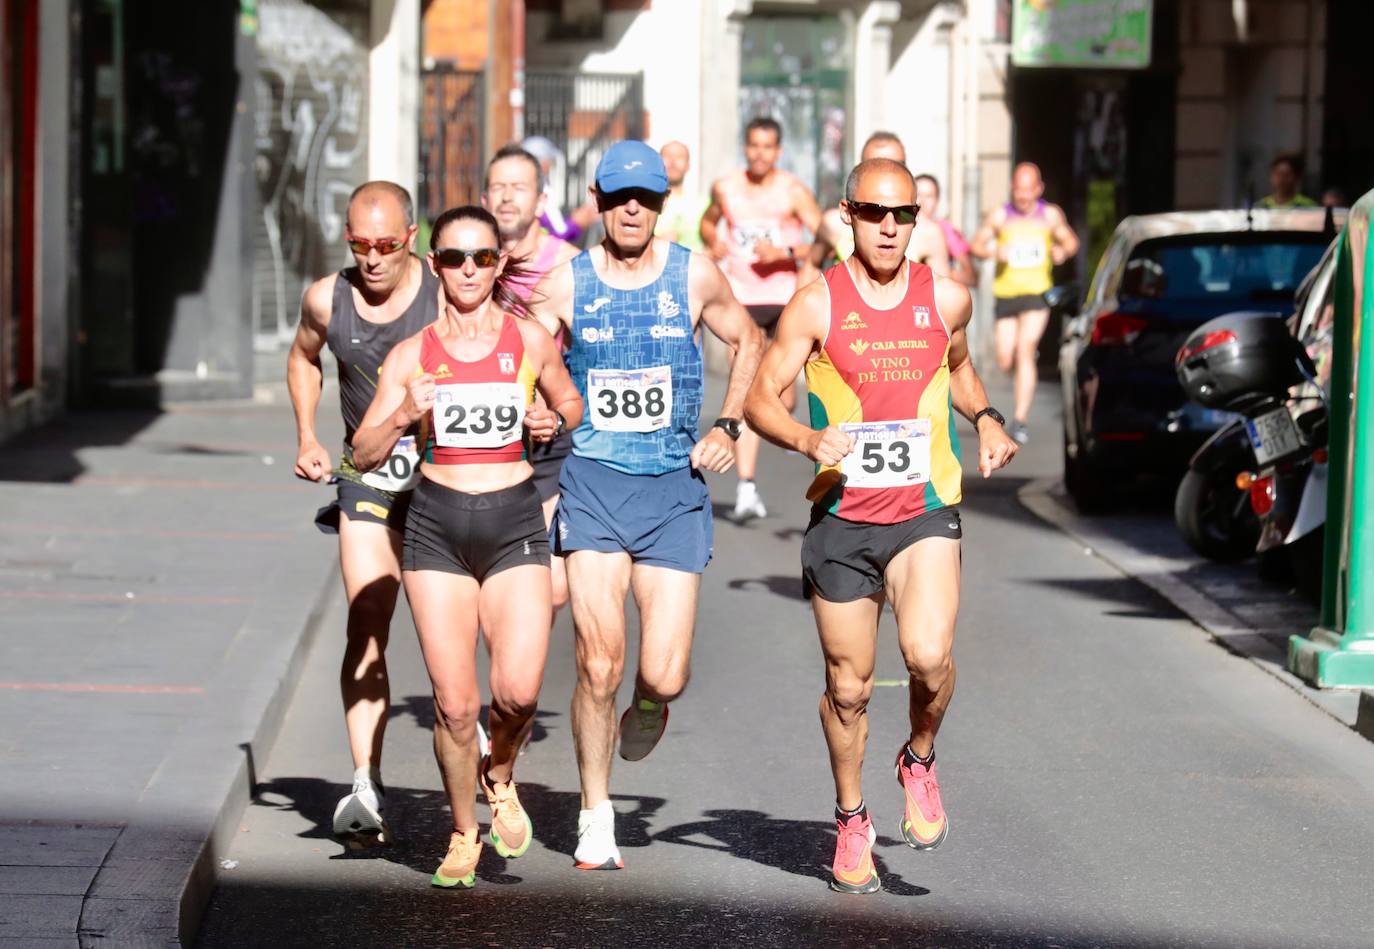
<point x="1065" y="298"/>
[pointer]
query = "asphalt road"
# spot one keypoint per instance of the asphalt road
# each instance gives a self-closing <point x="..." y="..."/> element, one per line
<point x="1113" y="778"/>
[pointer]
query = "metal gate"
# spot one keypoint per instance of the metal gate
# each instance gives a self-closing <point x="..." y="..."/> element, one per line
<point x="452" y="146"/>
<point x="583" y="114"/>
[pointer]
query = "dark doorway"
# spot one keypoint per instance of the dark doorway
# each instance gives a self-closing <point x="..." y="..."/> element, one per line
<point x="1348" y="135"/>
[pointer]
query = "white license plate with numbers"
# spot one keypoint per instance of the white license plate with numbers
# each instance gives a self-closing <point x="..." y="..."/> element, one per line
<point x="1273" y="435"/>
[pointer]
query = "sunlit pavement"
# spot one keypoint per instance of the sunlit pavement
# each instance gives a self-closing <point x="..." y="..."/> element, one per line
<point x="1113" y="778"/>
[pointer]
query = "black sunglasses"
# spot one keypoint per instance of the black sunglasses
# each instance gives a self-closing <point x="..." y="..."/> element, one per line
<point x="456" y="256"/>
<point x="652" y="200"/>
<point x="876" y="213"/>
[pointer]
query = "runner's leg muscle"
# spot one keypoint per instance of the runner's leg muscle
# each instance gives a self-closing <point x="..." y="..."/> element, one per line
<point x="370" y="560"/>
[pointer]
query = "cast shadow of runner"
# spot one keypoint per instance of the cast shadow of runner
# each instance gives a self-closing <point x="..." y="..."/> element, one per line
<point x="421" y="709"/>
<point x="790" y="587"/>
<point x="554" y="814"/>
<point x="419" y="818"/>
<point x="800" y="847"/>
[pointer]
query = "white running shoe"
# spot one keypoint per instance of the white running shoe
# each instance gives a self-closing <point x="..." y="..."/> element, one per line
<point x="748" y="504"/>
<point x="360" y="817"/>
<point x="596" y="849"/>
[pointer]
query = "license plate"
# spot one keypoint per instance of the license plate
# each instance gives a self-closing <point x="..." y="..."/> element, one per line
<point x="1273" y="435"/>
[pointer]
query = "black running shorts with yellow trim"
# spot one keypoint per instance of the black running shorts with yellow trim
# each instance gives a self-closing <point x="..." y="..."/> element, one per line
<point x="474" y="535"/>
<point x="360" y="502"/>
<point x="844" y="560"/>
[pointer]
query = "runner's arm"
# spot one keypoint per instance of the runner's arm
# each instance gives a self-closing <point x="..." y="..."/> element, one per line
<point x="1065" y="240"/>
<point x="961" y="269"/>
<point x="725" y="317"/>
<point x="710" y="225"/>
<point x="984" y="243"/>
<point x="305" y="378"/>
<point x="809" y="213"/>
<point x="404" y="394"/>
<point x="966" y="392"/>
<point x="823" y="248"/>
<point x="554" y="384"/>
<point x="801" y="330"/>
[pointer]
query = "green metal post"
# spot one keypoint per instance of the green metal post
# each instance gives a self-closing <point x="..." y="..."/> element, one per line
<point x="1340" y="652"/>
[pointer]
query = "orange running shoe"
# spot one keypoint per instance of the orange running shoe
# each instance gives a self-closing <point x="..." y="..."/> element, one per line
<point x="853" y="870"/>
<point x="460" y="863"/>
<point x="924" y="825"/>
<point x="511" y="830"/>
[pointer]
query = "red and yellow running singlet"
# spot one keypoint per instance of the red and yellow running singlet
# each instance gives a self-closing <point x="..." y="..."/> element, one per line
<point x="883" y="376"/>
<point x="479" y="406"/>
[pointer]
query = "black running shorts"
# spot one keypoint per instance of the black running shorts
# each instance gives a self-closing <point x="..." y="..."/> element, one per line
<point x="766" y="316"/>
<point x="844" y="560"/>
<point x="360" y="502"/>
<point x="474" y="535"/>
<point x="1007" y="307"/>
<point x="547" y="460"/>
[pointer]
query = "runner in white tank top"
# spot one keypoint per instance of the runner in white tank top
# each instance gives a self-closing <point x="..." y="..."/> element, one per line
<point x="759" y="227"/>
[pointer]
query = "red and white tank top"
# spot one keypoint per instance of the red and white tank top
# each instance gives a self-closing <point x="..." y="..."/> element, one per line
<point x="751" y="214"/>
<point x="479" y="406"/>
<point x="883" y="376"/>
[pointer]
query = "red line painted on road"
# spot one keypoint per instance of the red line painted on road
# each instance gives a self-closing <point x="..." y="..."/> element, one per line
<point x="174" y="483"/>
<point x="98" y="687"/>
<point x="121" y="597"/>
<point x="142" y="532"/>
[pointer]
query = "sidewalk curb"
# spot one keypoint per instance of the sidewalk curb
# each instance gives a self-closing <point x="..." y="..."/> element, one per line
<point x="155" y="883"/>
<point x="1215" y="620"/>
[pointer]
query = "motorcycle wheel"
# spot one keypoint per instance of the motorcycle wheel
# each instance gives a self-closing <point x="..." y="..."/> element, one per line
<point x="1215" y="516"/>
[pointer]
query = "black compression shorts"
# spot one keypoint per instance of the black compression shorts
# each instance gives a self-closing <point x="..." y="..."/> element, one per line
<point x="474" y="535"/>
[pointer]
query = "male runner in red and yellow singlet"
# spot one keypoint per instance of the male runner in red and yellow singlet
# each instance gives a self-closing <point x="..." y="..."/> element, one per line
<point x="887" y="365"/>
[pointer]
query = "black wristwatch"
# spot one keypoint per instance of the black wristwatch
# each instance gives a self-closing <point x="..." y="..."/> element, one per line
<point x="562" y="424"/>
<point x="732" y="427"/>
<point x="996" y="416"/>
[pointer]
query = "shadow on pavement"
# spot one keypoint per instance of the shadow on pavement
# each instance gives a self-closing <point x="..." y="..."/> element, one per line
<point x="49" y="453"/>
<point x="784" y="586"/>
<point x="420" y="708"/>
<point x="794" y="846"/>
<point x="1139" y="599"/>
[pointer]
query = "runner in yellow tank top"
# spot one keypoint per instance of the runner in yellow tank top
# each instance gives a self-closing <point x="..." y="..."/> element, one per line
<point x="1028" y="237"/>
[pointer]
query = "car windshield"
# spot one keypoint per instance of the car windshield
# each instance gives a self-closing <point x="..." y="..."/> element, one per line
<point x="1243" y="271"/>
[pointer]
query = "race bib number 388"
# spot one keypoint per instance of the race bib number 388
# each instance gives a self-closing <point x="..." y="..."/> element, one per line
<point x="478" y="414"/>
<point x="888" y="454"/>
<point x="630" y="400"/>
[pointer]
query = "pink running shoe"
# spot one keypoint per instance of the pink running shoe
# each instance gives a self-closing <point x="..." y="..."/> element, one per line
<point x="924" y="825"/>
<point x="853" y="870"/>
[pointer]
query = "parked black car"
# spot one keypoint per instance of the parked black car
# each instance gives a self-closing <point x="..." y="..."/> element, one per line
<point x="1161" y="277"/>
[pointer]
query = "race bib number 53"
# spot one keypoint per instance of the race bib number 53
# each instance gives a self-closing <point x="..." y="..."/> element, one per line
<point x="478" y="414"/>
<point x="887" y="454"/>
<point x="630" y="400"/>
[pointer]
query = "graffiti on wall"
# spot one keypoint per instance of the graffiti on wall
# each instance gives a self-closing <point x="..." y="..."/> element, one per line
<point x="311" y="148"/>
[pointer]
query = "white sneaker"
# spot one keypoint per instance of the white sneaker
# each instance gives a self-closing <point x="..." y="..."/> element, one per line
<point x="748" y="504"/>
<point x="596" y="849"/>
<point x="359" y="818"/>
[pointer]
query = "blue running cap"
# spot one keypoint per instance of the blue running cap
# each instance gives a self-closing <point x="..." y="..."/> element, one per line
<point x="631" y="164"/>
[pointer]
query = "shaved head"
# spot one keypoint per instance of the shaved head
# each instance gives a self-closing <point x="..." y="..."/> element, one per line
<point x="1027" y="186"/>
<point x="884" y="145"/>
<point x="386" y="195"/>
<point x="877" y="167"/>
<point x="676" y="160"/>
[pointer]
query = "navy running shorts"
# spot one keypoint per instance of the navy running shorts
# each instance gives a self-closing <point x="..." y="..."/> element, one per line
<point x="660" y="520"/>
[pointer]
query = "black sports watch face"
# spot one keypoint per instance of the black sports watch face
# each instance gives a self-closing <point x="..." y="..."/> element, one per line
<point x="732" y="427"/>
<point x="992" y="413"/>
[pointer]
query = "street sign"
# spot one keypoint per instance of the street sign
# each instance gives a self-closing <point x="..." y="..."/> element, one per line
<point x="1110" y="34"/>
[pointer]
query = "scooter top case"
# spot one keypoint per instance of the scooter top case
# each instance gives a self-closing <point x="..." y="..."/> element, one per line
<point x="1241" y="360"/>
